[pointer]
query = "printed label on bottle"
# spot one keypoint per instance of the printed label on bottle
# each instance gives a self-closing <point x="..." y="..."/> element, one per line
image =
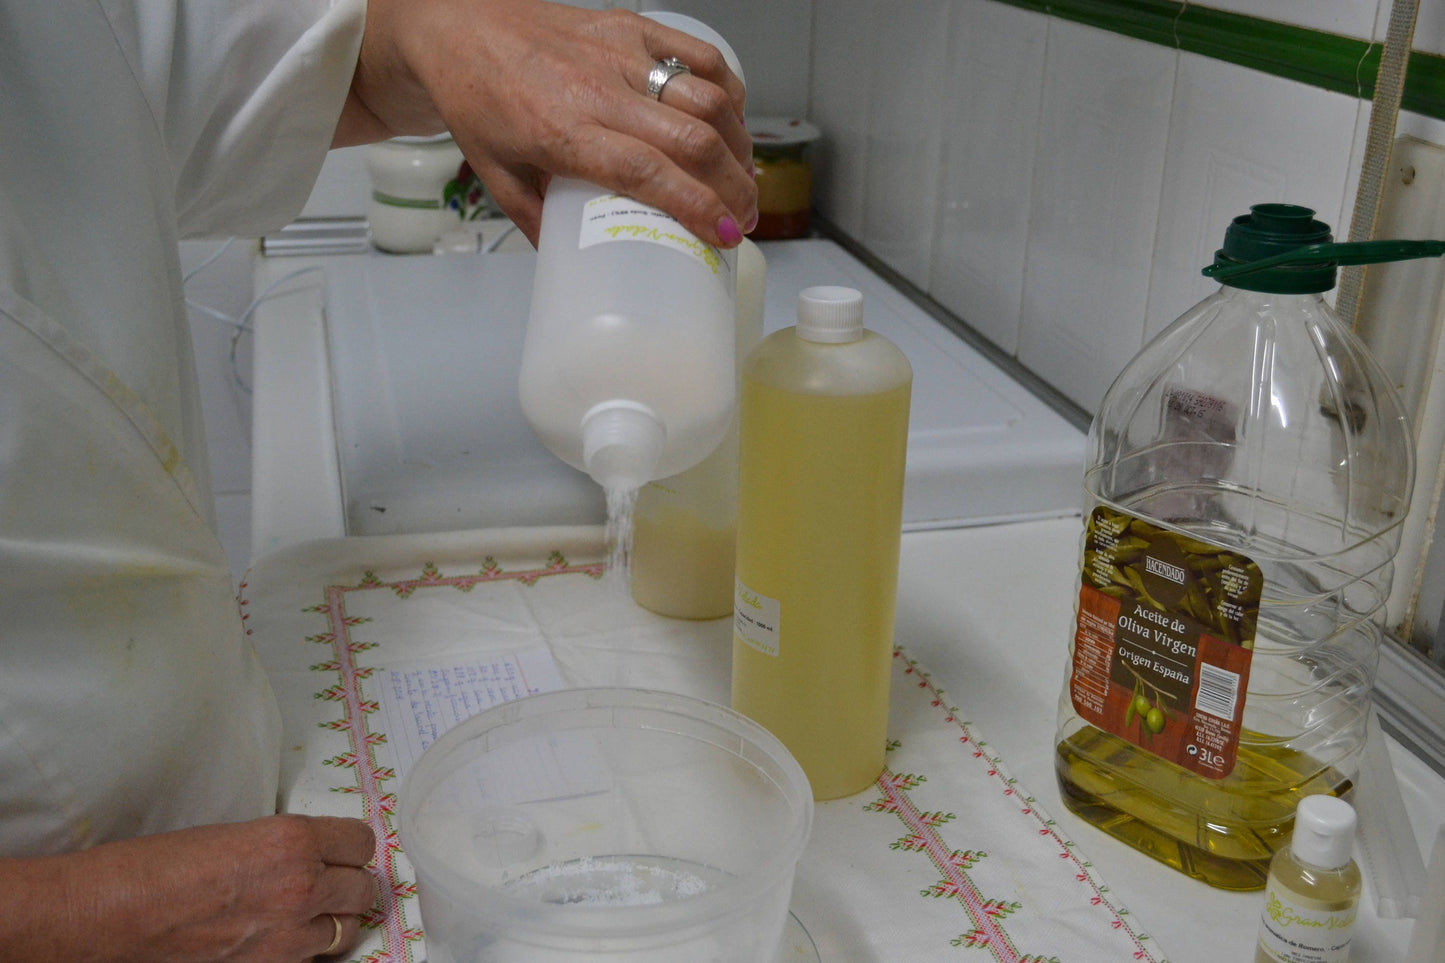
<point x="756" y="619"/>
<point x="1164" y="640"/>
<point x="615" y="217"/>
<point x="1294" y="929"/>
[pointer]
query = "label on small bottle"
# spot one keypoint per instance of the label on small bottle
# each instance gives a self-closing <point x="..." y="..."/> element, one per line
<point x="756" y="619"/>
<point x="1164" y="640"/>
<point x="1295" y="929"/>
<point x="615" y="217"/>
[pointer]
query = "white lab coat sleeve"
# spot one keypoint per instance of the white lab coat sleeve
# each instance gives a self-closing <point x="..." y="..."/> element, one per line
<point x="246" y="94"/>
<point x="130" y="699"/>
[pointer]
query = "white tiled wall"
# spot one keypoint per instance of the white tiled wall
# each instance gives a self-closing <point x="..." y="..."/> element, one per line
<point x="843" y="32"/>
<point x="1092" y="206"/>
<point x="1234" y="139"/>
<point x="981" y="231"/>
<point x="1077" y="180"/>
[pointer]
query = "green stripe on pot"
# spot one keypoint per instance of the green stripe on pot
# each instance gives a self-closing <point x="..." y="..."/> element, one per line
<point x="1344" y="65"/>
<point x="389" y="200"/>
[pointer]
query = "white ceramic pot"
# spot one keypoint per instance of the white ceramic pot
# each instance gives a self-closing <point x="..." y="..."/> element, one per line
<point x="409" y="176"/>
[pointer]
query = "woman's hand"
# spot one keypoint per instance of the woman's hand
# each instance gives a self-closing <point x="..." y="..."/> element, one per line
<point x="532" y="89"/>
<point x="264" y="891"/>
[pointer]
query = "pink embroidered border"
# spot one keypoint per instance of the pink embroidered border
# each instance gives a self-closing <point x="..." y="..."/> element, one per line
<point x="398" y="937"/>
<point x="985" y="914"/>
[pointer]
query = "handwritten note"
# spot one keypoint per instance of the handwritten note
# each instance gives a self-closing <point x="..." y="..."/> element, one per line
<point x="419" y="703"/>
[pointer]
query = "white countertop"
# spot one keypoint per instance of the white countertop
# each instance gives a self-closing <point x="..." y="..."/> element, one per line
<point x="988" y="610"/>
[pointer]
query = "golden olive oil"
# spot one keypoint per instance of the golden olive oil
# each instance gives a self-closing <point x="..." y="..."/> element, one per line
<point x="826" y="539"/>
<point x="824" y="431"/>
<point x="1223" y="832"/>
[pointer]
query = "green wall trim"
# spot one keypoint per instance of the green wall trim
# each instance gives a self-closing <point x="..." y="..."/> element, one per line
<point x="1345" y="65"/>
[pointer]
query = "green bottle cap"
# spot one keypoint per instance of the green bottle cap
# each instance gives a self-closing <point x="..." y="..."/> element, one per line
<point x="1268" y="231"/>
<point x="1282" y="249"/>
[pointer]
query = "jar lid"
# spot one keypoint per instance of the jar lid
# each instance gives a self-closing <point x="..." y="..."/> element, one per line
<point x="781" y="131"/>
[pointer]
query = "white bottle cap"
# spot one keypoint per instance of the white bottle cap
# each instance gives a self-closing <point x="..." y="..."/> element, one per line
<point x="830" y="314"/>
<point x="621" y="443"/>
<point x="1324" y="831"/>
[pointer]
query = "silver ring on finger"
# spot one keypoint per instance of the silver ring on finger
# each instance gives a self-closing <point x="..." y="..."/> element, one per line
<point x="663" y="71"/>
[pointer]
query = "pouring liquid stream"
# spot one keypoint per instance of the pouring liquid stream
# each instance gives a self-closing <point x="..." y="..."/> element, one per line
<point x="621" y="500"/>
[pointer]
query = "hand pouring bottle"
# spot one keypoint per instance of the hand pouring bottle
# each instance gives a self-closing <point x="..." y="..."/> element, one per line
<point x="824" y="432"/>
<point x="627" y="369"/>
<point x="1247" y="480"/>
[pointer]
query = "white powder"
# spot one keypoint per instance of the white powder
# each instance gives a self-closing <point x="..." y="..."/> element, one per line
<point x="609" y="881"/>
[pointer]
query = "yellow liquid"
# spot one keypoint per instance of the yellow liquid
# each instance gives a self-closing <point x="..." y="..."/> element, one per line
<point x="682" y="567"/>
<point x="1333" y="891"/>
<point x="820" y="507"/>
<point x="1223" y="832"/>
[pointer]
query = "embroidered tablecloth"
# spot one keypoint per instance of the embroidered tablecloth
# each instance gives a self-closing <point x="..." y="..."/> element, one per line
<point x="945" y="857"/>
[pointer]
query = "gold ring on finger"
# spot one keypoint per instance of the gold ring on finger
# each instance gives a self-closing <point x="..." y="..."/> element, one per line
<point x="336" y="937"/>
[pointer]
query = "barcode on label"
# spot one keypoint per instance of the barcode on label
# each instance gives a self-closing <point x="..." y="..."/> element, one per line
<point x="1218" y="691"/>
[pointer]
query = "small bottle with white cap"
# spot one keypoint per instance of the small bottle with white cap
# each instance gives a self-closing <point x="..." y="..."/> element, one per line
<point x="823" y="437"/>
<point x="1313" y="888"/>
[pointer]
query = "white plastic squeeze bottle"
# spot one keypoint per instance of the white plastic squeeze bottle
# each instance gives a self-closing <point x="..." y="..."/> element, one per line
<point x="1313" y="888"/>
<point x="824" y="433"/>
<point x="627" y="369"/>
<point x="685" y="526"/>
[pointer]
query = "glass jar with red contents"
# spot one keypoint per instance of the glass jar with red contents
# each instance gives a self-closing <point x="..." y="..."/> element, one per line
<point x="785" y="176"/>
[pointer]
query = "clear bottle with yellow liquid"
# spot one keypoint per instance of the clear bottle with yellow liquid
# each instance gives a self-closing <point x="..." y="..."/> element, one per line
<point x="1247" y="483"/>
<point x="1313" y="891"/>
<point x="824" y="433"/>
<point x="684" y="527"/>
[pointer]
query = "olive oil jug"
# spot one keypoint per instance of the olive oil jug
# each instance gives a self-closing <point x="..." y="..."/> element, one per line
<point x="1247" y="479"/>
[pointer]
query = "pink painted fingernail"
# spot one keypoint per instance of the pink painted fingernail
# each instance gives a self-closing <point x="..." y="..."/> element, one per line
<point x="752" y="223"/>
<point x="727" y="229"/>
